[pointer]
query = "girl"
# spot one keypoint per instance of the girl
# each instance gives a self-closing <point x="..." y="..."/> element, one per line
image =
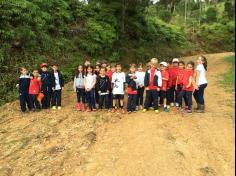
<point x="97" y="72"/>
<point x="34" y="89"/>
<point x="165" y="79"/>
<point x="79" y="88"/>
<point x="201" y="82"/>
<point x="140" y="84"/>
<point x="89" y="83"/>
<point x="188" y="87"/>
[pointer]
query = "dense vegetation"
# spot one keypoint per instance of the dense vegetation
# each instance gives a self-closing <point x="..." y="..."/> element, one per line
<point x="68" y="31"/>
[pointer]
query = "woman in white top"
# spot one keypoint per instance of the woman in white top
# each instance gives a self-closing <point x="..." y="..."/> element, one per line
<point x="89" y="83"/>
<point x="140" y="74"/>
<point x="201" y="82"/>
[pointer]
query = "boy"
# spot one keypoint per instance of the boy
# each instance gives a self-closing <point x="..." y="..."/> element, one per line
<point x="165" y="79"/>
<point x="23" y="86"/>
<point x="57" y="86"/>
<point x="46" y="87"/>
<point x="118" y="86"/>
<point x="103" y="88"/>
<point x="153" y="83"/>
<point x="132" y="89"/>
<point x="34" y="89"/>
<point x="173" y="76"/>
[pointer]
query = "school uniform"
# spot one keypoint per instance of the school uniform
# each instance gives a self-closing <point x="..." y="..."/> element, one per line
<point x="152" y="81"/>
<point x="187" y="91"/>
<point x="140" y="85"/>
<point x="57" y="85"/>
<point x="163" y="92"/>
<point x="24" y="83"/>
<point x="179" y="82"/>
<point x="34" y="90"/>
<point x="90" y="95"/>
<point x="173" y="76"/>
<point x="103" y="86"/>
<point x="79" y="87"/>
<point x="132" y="92"/>
<point x="46" y="88"/>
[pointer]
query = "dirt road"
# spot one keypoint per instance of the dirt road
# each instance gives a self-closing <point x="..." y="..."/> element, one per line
<point x="105" y="144"/>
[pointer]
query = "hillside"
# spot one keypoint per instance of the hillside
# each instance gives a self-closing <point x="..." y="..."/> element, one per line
<point x="67" y="142"/>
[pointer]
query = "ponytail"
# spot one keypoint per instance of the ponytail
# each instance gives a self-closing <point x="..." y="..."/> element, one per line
<point x="204" y="60"/>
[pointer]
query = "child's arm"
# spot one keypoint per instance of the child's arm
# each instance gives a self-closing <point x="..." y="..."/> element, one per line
<point x="190" y="81"/>
<point x="94" y="81"/>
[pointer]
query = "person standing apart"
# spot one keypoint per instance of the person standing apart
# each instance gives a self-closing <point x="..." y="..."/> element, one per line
<point x="201" y="82"/>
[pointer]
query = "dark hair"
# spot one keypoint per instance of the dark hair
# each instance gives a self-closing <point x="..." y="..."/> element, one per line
<point x="90" y="66"/>
<point x="204" y="60"/>
<point x="182" y="62"/>
<point x="118" y="64"/>
<point x="191" y="63"/>
<point x="103" y="68"/>
<point x="77" y="72"/>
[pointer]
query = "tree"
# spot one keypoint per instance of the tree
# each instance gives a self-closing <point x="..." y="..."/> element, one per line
<point x="211" y="15"/>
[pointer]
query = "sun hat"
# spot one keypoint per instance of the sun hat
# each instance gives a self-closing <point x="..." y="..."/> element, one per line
<point x="175" y="60"/>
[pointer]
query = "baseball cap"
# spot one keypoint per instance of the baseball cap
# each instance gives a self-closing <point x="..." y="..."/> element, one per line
<point x="164" y="64"/>
<point x="175" y="60"/>
<point x="43" y="65"/>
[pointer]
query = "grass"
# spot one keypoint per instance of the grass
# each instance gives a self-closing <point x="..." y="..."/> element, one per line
<point x="228" y="78"/>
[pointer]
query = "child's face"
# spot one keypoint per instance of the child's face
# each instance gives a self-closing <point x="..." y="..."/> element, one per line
<point x="108" y="68"/>
<point x="140" y="69"/>
<point x="35" y="73"/>
<point x="181" y="66"/>
<point x="162" y="67"/>
<point x="175" y="64"/>
<point x="97" y="68"/>
<point x="118" y="68"/>
<point x="102" y="71"/>
<point x="199" y="60"/>
<point x="113" y="69"/>
<point x="189" y="67"/>
<point x="80" y="69"/>
<point x="55" y="68"/>
<point x="24" y="71"/>
<point x="132" y="69"/>
<point x="89" y="70"/>
<point x="44" y="69"/>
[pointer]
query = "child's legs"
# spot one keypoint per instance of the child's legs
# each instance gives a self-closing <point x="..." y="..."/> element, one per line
<point x="180" y="97"/>
<point x="114" y="99"/>
<point x="28" y="101"/>
<point x="92" y="98"/>
<point x="22" y="102"/>
<point x="138" y="97"/>
<point x="155" y="99"/>
<point x="83" y="95"/>
<point x="79" y="95"/>
<point x="195" y="95"/>
<point x="141" y="96"/>
<point x="32" y="99"/>
<point x="54" y="98"/>
<point x="129" y="103"/>
<point x="188" y="95"/>
<point x="147" y="99"/>
<point x="101" y="101"/>
<point x="161" y="94"/>
<point x="121" y="101"/>
<point x="58" y="97"/>
<point x="96" y="97"/>
<point x="201" y="94"/>
<point x="172" y="94"/>
<point x="134" y="102"/>
<point x="107" y="101"/>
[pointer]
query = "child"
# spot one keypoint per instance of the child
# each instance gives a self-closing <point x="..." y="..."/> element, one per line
<point x="132" y="89"/>
<point x="188" y="87"/>
<point x="46" y="87"/>
<point x="165" y="79"/>
<point x="89" y="83"/>
<point x="201" y="82"/>
<point x="179" y="80"/>
<point x="97" y="72"/>
<point x="34" y="89"/>
<point x="23" y="86"/>
<point x="79" y="88"/>
<point x="57" y="86"/>
<point x="173" y="76"/>
<point x="103" y="88"/>
<point x="110" y="70"/>
<point x="118" y="86"/>
<point x="153" y="83"/>
<point x="140" y="83"/>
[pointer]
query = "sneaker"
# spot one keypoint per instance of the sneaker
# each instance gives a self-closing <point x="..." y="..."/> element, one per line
<point x="188" y="111"/>
<point x="113" y="110"/>
<point x="141" y="107"/>
<point x="59" y="107"/>
<point x="168" y="106"/>
<point x="156" y="111"/>
<point x="137" y="108"/>
<point x="166" y="109"/>
<point x="144" y="110"/>
<point x="172" y="104"/>
<point x="177" y="104"/>
<point x="129" y="112"/>
<point x="186" y="108"/>
<point x="54" y="107"/>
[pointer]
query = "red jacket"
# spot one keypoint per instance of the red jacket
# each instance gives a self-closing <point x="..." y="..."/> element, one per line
<point x="34" y="87"/>
<point x="173" y="75"/>
<point x="187" y="75"/>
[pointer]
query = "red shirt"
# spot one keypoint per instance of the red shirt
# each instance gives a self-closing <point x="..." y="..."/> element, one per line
<point x="169" y="83"/>
<point x="165" y="75"/>
<point x="34" y="87"/>
<point x="130" y="91"/>
<point x="173" y="72"/>
<point x="187" y="75"/>
<point x="109" y="74"/>
<point x="180" y="76"/>
<point x="151" y="84"/>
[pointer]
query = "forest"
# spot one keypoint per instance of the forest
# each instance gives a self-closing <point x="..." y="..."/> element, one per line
<point x="70" y="31"/>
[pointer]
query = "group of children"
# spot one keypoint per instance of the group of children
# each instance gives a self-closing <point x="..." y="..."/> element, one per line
<point x="105" y="85"/>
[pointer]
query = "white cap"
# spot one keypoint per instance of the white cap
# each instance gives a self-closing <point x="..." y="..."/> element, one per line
<point x="164" y="64"/>
<point x="175" y="60"/>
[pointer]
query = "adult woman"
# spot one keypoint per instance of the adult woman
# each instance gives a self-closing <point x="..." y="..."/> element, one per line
<point x="201" y="82"/>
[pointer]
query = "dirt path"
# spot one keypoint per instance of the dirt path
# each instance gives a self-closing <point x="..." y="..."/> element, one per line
<point x="167" y="144"/>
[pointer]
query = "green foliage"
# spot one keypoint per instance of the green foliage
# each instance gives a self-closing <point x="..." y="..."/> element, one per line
<point x="211" y="15"/>
<point x="165" y="15"/>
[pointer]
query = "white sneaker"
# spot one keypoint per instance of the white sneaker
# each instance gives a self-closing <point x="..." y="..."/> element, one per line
<point x="172" y="104"/>
<point x="54" y="107"/>
<point x="141" y="107"/>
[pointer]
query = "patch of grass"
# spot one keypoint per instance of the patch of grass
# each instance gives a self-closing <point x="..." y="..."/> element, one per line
<point x="228" y="78"/>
